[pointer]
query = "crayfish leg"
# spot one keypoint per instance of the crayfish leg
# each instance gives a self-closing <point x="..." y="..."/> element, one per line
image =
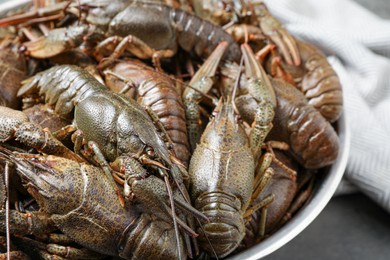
<point x="132" y="44"/>
<point x="92" y="152"/>
<point x="56" y="251"/>
<point x="99" y="157"/>
<point x="261" y="54"/>
<point x="64" y="132"/>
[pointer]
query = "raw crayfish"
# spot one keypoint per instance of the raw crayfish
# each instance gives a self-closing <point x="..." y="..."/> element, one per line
<point x="124" y="22"/>
<point x="77" y="199"/>
<point x="222" y="167"/>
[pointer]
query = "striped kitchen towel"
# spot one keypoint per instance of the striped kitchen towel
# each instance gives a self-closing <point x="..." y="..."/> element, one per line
<point x="357" y="43"/>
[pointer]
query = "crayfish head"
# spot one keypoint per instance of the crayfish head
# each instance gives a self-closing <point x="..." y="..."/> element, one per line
<point x="224" y="131"/>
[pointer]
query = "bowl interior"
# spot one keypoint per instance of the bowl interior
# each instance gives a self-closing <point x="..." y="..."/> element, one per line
<point x="322" y="193"/>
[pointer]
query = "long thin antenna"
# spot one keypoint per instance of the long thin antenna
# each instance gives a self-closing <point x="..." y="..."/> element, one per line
<point x="7" y="228"/>
<point x="207" y="238"/>
<point x="234" y="92"/>
<point x="170" y="194"/>
<point x="237" y="82"/>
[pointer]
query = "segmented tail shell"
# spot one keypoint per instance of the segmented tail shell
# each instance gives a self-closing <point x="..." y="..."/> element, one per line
<point x="63" y="86"/>
<point x="226" y="227"/>
<point x="313" y="141"/>
<point x="320" y="83"/>
<point x="150" y="238"/>
<point x="202" y="36"/>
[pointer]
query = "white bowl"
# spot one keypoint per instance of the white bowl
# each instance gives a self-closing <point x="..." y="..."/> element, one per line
<point x="322" y="193"/>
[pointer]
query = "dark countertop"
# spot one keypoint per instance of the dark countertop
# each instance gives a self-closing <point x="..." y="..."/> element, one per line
<point x="350" y="227"/>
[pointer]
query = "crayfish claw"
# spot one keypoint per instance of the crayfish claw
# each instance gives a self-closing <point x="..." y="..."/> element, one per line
<point x="277" y="39"/>
<point x="209" y="67"/>
<point x="42" y="48"/>
<point x="252" y="67"/>
<point x="292" y="46"/>
<point x="57" y="41"/>
<point x="260" y="88"/>
<point x="273" y="29"/>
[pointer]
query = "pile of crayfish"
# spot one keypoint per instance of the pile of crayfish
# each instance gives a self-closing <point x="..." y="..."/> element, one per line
<point x="157" y="129"/>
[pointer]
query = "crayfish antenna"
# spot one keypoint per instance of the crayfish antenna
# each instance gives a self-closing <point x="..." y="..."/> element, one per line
<point x="236" y="84"/>
<point x="7" y="213"/>
<point x="174" y="218"/>
<point x="187" y="207"/>
<point x="178" y="173"/>
<point x="208" y="240"/>
<point x="5" y="155"/>
<point x="184" y="226"/>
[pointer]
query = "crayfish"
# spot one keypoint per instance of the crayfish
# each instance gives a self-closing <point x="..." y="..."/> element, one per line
<point x="70" y="194"/>
<point x="122" y="24"/>
<point x="222" y="167"/>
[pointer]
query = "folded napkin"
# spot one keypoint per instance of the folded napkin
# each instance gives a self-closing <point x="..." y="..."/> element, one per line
<point x="357" y="43"/>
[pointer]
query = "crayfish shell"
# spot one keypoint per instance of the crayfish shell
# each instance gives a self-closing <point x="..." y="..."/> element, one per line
<point x="313" y="141"/>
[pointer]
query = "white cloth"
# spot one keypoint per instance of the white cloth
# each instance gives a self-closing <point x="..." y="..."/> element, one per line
<point x="357" y="43"/>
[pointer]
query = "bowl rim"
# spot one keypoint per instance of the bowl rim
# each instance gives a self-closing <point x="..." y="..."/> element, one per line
<point x="313" y="207"/>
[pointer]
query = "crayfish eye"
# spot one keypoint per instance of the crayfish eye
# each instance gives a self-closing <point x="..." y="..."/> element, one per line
<point x="170" y="146"/>
<point x="150" y="152"/>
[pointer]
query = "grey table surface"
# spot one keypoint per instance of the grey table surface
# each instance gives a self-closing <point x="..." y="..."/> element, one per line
<point x="351" y="226"/>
